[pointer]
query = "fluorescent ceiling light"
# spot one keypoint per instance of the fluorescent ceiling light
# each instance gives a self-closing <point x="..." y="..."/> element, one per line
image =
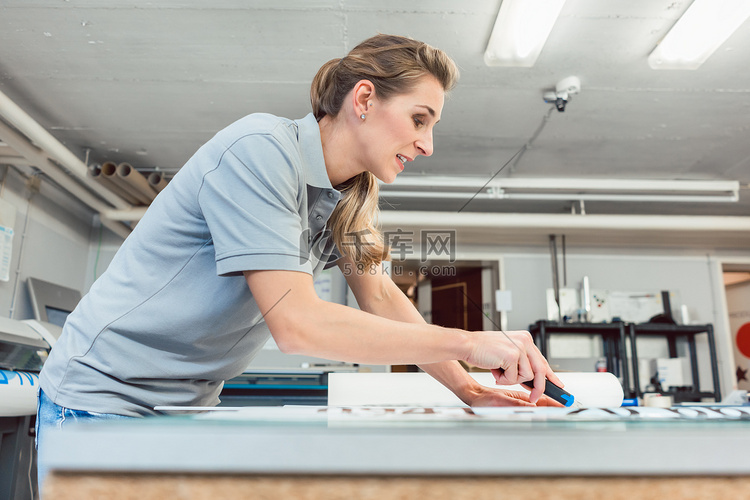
<point x="625" y="190"/>
<point x="520" y="32"/>
<point x="698" y="33"/>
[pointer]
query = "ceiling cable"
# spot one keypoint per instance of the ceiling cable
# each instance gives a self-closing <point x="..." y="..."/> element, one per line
<point x="533" y="137"/>
<point x="513" y="161"/>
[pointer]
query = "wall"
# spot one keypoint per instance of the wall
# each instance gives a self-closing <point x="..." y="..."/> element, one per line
<point x="622" y="270"/>
<point x="102" y="249"/>
<point x="51" y="241"/>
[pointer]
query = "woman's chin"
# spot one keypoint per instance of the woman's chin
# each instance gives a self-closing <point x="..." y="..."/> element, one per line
<point x="389" y="178"/>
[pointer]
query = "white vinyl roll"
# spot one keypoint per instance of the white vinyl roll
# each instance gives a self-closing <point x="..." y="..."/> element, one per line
<point x="594" y="390"/>
<point x="591" y="389"/>
<point x="18" y="393"/>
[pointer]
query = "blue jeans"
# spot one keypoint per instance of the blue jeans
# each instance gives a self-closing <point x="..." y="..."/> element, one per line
<point x="49" y="415"/>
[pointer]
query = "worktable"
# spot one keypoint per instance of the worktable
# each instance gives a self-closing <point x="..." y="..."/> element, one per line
<point x="401" y="452"/>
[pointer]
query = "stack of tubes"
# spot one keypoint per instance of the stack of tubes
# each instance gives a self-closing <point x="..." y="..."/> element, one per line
<point x="127" y="183"/>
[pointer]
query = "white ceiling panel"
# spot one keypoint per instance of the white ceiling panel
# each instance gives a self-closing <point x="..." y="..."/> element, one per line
<point x="149" y="82"/>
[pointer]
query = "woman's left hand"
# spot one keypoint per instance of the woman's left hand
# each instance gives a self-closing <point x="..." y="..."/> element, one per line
<point x="501" y="397"/>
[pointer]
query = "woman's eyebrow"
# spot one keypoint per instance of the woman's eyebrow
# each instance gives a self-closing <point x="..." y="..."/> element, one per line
<point x="429" y="109"/>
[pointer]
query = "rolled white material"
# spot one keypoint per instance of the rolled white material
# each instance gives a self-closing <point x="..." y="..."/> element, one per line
<point x="591" y="389"/>
<point x="657" y="400"/>
<point x="389" y="389"/>
<point x="18" y="393"/>
<point x="594" y="390"/>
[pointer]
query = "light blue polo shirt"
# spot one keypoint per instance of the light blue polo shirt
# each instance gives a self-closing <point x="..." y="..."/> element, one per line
<point x="173" y="317"/>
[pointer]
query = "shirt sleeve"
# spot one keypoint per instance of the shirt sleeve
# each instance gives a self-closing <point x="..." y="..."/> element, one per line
<point x="251" y="203"/>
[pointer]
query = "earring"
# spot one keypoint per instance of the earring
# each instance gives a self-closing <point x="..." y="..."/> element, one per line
<point x="362" y="116"/>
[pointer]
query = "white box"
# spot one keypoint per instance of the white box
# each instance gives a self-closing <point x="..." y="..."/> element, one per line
<point x="671" y="372"/>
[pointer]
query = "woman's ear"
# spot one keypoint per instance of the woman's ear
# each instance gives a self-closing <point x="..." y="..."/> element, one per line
<point x="363" y="95"/>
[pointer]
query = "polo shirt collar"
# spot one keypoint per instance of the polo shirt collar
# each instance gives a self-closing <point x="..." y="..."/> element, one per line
<point x="311" y="148"/>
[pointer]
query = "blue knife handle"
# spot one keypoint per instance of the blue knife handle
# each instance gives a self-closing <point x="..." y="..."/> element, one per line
<point x="555" y="392"/>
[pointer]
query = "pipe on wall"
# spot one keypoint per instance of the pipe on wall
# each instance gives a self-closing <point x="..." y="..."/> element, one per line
<point x="42" y="162"/>
<point x="133" y="214"/>
<point x="712" y="228"/>
<point x="593" y="229"/>
<point x="18" y="161"/>
<point x="17" y="117"/>
<point x="558" y="222"/>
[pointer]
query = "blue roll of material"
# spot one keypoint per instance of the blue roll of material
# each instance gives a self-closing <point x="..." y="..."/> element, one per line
<point x="18" y="393"/>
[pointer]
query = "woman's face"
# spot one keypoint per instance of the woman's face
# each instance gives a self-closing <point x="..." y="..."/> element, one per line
<point x="399" y="129"/>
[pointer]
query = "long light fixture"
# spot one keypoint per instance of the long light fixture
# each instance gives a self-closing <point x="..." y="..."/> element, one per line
<point x="621" y="190"/>
<point x="520" y="32"/>
<point x="704" y="26"/>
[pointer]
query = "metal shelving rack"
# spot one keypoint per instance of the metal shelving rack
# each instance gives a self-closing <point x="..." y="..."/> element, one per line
<point x="673" y="332"/>
<point x="615" y="336"/>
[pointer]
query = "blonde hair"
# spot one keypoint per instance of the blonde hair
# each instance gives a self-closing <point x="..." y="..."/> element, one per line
<point x="394" y="64"/>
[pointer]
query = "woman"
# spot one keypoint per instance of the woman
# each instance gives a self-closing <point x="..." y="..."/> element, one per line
<point x="226" y="256"/>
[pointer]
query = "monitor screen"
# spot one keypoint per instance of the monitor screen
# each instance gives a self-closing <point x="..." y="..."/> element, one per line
<point x="56" y="316"/>
<point x="51" y="302"/>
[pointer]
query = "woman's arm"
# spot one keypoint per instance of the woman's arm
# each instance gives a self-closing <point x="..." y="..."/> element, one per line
<point x="302" y="323"/>
<point x="378" y="294"/>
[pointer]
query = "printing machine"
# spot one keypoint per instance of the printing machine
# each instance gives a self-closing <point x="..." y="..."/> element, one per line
<point x="24" y="345"/>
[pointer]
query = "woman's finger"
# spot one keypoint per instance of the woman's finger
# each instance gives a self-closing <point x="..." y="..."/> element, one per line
<point x="509" y="372"/>
<point x="552" y="377"/>
<point x="525" y="369"/>
<point x="540" y="380"/>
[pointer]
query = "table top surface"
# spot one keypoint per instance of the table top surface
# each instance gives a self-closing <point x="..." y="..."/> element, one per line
<point x="418" y="441"/>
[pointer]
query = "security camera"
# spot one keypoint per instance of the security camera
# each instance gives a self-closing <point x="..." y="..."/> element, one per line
<point x="559" y="100"/>
<point x="571" y="85"/>
<point x="563" y="90"/>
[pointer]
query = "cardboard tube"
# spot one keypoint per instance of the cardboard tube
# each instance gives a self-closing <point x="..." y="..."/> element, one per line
<point x="136" y="180"/>
<point x="95" y="172"/>
<point x="157" y="181"/>
<point x="109" y="171"/>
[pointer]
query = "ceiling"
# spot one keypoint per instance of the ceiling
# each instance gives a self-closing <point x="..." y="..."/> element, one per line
<point x="149" y="82"/>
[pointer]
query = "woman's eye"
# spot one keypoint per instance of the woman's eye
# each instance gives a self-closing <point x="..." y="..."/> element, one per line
<point x="418" y="121"/>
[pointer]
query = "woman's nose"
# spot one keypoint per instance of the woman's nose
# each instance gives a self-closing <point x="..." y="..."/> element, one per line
<point x="425" y="145"/>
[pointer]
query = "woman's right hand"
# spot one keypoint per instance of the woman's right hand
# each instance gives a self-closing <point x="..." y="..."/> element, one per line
<point x="513" y="358"/>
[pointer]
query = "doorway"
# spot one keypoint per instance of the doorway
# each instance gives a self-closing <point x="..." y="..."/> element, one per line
<point x="460" y="294"/>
